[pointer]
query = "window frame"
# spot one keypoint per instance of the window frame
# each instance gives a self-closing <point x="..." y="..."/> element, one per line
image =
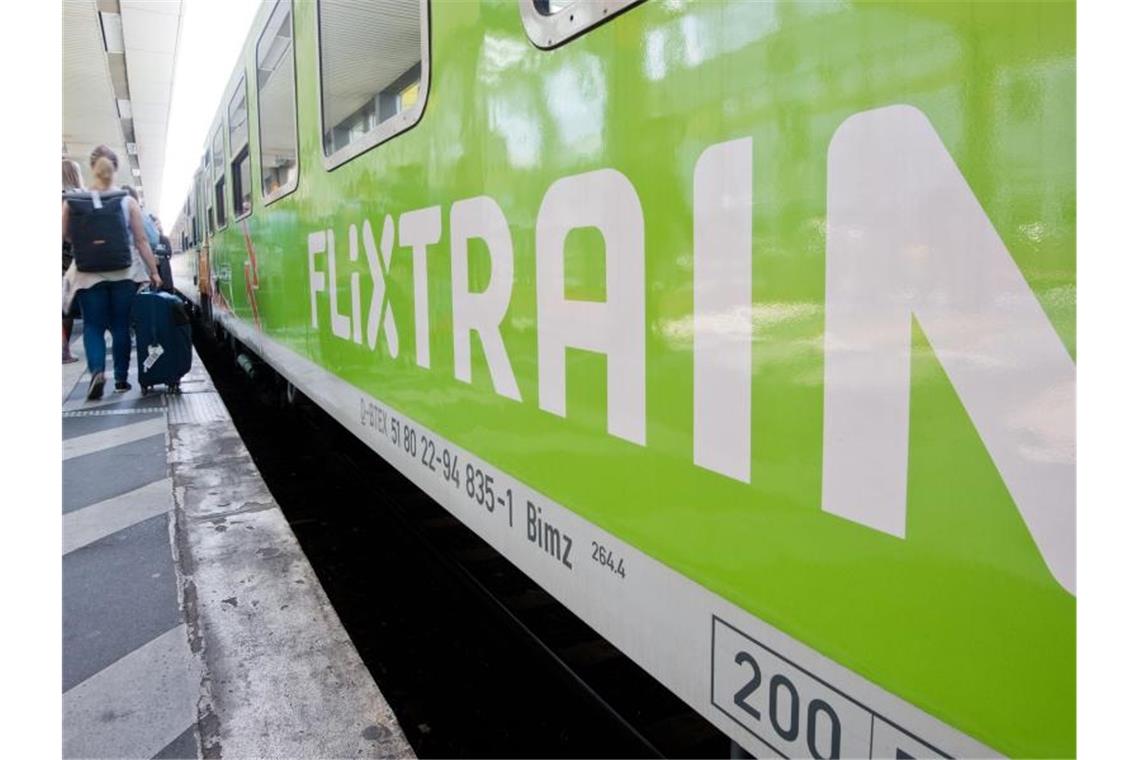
<point x="287" y="189"/>
<point x="216" y="207"/>
<point x="200" y="199"/>
<point x="234" y="160"/>
<point x="243" y="155"/>
<point x="215" y="178"/>
<point x="548" y="32"/>
<point x="209" y="221"/>
<point x="191" y="218"/>
<point x="393" y="125"/>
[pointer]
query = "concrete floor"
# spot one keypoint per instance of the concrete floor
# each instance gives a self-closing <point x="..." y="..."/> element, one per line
<point x="130" y="680"/>
<point x="193" y="625"/>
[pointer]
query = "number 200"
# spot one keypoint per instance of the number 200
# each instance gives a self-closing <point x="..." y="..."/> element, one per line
<point x="780" y="686"/>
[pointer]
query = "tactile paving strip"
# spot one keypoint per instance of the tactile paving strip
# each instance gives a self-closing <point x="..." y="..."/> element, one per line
<point x="194" y="407"/>
<point x="105" y="412"/>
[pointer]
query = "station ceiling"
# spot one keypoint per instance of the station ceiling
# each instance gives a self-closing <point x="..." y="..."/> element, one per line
<point x="118" y="73"/>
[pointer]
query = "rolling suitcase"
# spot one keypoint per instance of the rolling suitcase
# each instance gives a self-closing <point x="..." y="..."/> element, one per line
<point x="162" y="336"/>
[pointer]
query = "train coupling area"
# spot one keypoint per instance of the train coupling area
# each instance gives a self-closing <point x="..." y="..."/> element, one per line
<point x="193" y="624"/>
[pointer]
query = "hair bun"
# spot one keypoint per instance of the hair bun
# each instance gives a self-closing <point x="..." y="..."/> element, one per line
<point x="104" y="163"/>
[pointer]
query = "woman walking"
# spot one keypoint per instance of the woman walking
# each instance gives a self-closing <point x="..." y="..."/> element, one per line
<point x="105" y="296"/>
<point x="71" y="181"/>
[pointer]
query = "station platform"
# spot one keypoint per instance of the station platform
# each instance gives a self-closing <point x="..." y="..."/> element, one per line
<point x="193" y="624"/>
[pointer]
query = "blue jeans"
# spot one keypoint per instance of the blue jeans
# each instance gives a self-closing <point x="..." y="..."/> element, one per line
<point x="107" y="306"/>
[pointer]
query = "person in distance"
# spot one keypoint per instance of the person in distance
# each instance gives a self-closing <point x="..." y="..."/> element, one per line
<point x="105" y="293"/>
<point x="148" y="219"/>
<point x="72" y="180"/>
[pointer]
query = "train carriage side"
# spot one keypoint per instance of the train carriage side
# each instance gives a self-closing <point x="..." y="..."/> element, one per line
<point x="745" y="329"/>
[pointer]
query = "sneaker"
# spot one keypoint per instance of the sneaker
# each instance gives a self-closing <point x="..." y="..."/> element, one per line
<point x="122" y="387"/>
<point x="69" y="359"/>
<point x="95" y="390"/>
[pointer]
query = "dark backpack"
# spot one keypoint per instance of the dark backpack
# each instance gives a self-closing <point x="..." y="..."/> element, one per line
<point x="99" y="238"/>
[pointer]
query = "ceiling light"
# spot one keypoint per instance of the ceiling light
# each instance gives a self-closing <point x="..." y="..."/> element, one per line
<point x="112" y="32"/>
<point x="136" y="172"/>
<point x="133" y="148"/>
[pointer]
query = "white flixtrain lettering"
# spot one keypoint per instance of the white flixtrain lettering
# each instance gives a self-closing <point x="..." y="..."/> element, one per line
<point x="380" y="310"/>
<point x="316" y="277"/>
<point x="354" y="284"/>
<point x="907" y="240"/>
<point x="722" y="309"/>
<point x="341" y="324"/>
<point x="482" y="313"/>
<point x="604" y="200"/>
<point x="351" y="326"/>
<point x="418" y="230"/>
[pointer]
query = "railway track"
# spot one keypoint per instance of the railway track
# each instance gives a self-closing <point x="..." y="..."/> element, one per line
<point x="474" y="657"/>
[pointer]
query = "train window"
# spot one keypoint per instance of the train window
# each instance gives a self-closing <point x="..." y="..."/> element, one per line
<point x="237" y="118"/>
<point x="217" y="154"/>
<point x="277" y="104"/>
<point x="373" y="72"/>
<point x="207" y="196"/>
<point x="200" y="199"/>
<point x="243" y="195"/>
<point x="239" y="149"/>
<point x="549" y="23"/>
<point x="192" y="215"/>
<point x="217" y="151"/>
<point x="200" y="193"/>
<point x="220" y="202"/>
<point x="207" y="205"/>
<point x="187" y="222"/>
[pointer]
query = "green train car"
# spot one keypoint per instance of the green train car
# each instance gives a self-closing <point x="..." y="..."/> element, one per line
<point x="746" y="329"/>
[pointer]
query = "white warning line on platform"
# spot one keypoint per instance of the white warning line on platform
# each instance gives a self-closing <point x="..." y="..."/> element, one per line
<point x="137" y="705"/>
<point x="89" y="524"/>
<point x="117" y="436"/>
